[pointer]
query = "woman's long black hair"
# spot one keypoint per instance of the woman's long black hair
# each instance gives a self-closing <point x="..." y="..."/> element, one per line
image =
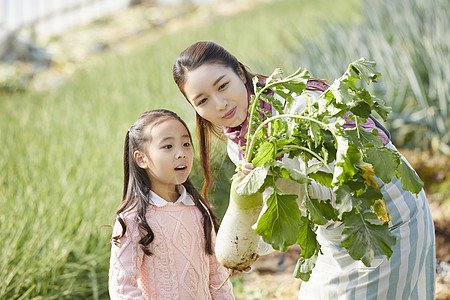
<point x="137" y="184"/>
<point x="196" y="55"/>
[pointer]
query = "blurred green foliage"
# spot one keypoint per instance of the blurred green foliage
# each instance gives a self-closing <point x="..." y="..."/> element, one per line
<point x="410" y="42"/>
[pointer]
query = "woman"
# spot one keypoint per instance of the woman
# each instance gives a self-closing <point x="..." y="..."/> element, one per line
<point x="219" y="87"/>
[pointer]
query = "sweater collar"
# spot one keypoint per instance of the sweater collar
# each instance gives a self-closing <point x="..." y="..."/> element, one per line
<point x="184" y="198"/>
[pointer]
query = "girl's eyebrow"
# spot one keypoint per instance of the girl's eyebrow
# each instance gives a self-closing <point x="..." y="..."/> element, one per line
<point x="171" y="138"/>
<point x="214" y="83"/>
<point x="162" y="140"/>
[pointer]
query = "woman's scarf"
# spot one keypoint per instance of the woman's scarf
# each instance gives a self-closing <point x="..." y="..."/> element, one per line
<point x="237" y="134"/>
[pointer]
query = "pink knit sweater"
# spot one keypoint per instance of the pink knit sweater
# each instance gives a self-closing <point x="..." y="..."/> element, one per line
<point x="179" y="267"/>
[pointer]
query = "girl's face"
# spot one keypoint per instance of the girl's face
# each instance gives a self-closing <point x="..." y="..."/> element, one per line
<point x="167" y="156"/>
<point x="217" y="94"/>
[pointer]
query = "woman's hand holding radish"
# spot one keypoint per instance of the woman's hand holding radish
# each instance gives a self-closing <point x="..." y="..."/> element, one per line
<point x="246" y="168"/>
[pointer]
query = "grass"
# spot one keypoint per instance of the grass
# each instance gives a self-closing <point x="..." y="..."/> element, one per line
<point x="409" y="41"/>
<point x="61" y="160"/>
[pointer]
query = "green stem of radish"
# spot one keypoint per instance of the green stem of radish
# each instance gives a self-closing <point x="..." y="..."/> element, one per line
<point x="309" y="151"/>
<point x="249" y="149"/>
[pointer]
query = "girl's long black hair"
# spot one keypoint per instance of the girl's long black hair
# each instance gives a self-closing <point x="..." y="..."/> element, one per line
<point x="137" y="184"/>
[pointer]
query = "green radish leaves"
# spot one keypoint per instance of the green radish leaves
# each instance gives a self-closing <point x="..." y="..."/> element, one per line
<point x="409" y="178"/>
<point x="366" y="237"/>
<point x="310" y="249"/>
<point x="275" y="225"/>
<point x="315" y="136"/>
<point x="252" y="182"/>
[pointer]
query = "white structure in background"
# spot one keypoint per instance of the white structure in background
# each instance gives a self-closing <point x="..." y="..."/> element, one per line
<point x="172" y="2"/>
<point x="43" y="18"/>
<point x="22" y="22"/>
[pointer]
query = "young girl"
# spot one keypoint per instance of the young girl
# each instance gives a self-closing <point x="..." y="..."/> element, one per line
<point x="163" y="238"/>
<point x="219" y="87"/>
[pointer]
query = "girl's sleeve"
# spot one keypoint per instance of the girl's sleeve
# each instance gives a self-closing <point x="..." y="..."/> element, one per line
<point x="125" y="263"/>
<point x="217" y="275"/>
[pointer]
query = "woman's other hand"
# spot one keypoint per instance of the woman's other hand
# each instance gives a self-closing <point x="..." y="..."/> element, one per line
<point x="246" y="168"/>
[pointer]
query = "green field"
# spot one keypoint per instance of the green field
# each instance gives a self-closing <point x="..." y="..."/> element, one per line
<point x="61" y="158"/>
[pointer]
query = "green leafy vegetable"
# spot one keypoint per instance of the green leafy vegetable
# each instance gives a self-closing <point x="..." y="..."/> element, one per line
<point x="275" y="224"/>
<point x="316" y="133"/>
<point x="366" y="237"/>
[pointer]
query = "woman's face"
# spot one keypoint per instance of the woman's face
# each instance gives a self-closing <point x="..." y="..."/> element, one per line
<point x="218" y="94"/>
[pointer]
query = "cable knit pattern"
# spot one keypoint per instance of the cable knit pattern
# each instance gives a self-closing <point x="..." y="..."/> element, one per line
<point x="178" y="269"/>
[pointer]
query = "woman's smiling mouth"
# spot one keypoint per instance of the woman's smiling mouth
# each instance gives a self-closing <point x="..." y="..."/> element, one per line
<point x="230" y="114"/>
